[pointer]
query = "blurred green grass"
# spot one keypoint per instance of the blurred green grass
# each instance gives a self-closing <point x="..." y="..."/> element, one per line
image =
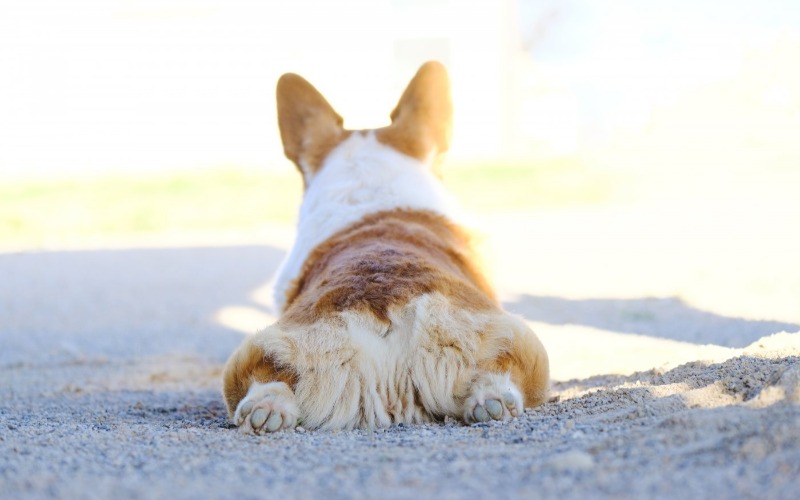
<point x="505" y="187"/>
<point x="45" y="212"/>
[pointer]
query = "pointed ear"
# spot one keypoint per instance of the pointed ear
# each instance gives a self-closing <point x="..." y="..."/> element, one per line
<point x="309" y="126"/>
<point x="422" y="122"/>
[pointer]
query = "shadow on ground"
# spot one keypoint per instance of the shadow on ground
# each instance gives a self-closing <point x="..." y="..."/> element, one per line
<point x="668" y="317"/>
<point x="70" y="306"/>
<point x="137" y="303"/>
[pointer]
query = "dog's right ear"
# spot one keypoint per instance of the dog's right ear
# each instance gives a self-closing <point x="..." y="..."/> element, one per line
<point x="309" y="126"/>
<point x="422" y="121"/>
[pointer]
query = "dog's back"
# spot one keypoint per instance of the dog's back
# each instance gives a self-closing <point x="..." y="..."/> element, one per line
<point x="386" y="316"/>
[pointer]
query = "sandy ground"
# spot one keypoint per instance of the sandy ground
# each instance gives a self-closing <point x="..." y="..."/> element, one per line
<point x="670" y="377"/>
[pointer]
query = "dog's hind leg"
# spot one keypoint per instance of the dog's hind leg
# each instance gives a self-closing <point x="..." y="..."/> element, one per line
<point x="515" y="377"/>
<point x="258" y="392"/>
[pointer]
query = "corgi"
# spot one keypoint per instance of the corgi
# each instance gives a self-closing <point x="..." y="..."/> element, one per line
<point x="385" y="315"/>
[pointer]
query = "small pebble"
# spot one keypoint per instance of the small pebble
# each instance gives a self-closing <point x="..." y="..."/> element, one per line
<point x="572" y="460"/>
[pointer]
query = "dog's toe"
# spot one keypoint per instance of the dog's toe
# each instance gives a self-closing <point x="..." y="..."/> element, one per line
<point x="243" y="411"/>
<point x="274" y="422"/>
<point x="480" y="414"/>
<point x="511" y="404"/>
<point x="258" y="418"/>
<point x="494" y="408"/>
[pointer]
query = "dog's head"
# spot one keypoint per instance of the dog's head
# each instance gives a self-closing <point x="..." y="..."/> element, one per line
<point x="421" y="121"/>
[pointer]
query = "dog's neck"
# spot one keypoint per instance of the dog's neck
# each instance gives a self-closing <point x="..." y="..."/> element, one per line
<point x="359" y="177"/>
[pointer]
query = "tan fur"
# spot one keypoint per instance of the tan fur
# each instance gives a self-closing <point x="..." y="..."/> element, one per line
<point x="525" y="360"/>
<point x="422" y="121"/>
<point x="301" y="108"/>
<point x="250" y="364"/>
<point x="390" y="319"/>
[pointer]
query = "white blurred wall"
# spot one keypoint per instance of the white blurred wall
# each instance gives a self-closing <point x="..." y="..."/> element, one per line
<point x="93" y="86"/>
<point x="88" y="86"/>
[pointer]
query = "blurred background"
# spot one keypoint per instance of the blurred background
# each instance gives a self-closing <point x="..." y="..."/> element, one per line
<point x="155" y="85"/>
<point x="617" y="148"/>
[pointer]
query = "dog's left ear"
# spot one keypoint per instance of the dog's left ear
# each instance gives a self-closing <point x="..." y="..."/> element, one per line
<point x="422" y="122"/>
<point x="309" y="126"/>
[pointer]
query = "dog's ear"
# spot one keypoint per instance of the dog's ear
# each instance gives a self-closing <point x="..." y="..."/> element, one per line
<point x="422" y="122"/>
<point x="309" y="126"/>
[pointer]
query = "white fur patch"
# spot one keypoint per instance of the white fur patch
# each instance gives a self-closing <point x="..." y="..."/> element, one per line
<point x="359" y="177"/>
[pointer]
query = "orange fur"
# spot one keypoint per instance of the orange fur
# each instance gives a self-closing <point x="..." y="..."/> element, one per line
<point x="422" y="121"/>
<point x="250" y="364"/>
<point x="526" y="361"/>
<point x="295" y="120"/>
<point x="384" y="261"/>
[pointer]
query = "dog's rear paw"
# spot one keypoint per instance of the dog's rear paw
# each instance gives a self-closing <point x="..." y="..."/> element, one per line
<point x="267" y="407"/>
<point x="493" y="397"/>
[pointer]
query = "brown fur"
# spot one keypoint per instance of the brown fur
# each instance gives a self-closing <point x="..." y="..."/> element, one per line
<point x="526" y="361"/>
<point x="313" y="113"/>
<point x="385" y="260"/>
<point x="250" y="364"/>
<point x="422" y="121"/>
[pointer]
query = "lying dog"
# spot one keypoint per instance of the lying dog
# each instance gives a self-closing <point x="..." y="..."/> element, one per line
<point x="386" y="317"/>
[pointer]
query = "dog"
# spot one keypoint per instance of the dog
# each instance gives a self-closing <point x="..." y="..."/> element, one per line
<point x="386" y="315"/>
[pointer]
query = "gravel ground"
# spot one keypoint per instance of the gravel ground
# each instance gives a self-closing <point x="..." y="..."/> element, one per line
<point x="699" y="431"/>
<point x="110" y="368"/>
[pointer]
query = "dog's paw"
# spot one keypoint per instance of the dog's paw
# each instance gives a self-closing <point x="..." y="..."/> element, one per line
<point x="493" y="397"/>
<point x="267" y="407"/>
